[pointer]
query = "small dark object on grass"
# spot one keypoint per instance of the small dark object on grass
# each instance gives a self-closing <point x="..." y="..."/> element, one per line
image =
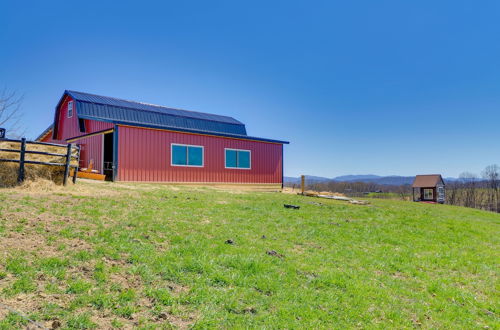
<point x="229" y="241"/>
<point x="335" y="223"/>
<point x="488" y="312"/>
<point x="250" y="310"/>
<point x="290" y="206"/>
<point x="347" y="220"/>
<point x="263" y="237"/>
<point x="274" y="254"/>
<point x="56" y="324"/>
<point x="162" y="316"/>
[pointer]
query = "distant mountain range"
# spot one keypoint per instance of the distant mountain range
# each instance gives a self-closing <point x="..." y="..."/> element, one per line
<point x="367" y="178"/>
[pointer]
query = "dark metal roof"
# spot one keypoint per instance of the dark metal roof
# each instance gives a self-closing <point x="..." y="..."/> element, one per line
<point x="427" y="181"/>
<point x="235" y="136"/>
<point x="111" y="109"/>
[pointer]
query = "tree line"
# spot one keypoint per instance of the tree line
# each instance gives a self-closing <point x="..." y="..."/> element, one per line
<point x="471" y="190"/>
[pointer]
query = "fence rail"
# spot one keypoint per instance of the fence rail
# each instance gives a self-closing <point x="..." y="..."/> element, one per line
<point x="68" y="156"/>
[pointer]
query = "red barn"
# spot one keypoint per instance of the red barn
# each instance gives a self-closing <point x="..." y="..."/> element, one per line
<point x="133" y="141"/>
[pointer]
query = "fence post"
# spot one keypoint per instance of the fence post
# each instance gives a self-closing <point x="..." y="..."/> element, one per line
<point x="302" y="183"/>
<point x="77" y="164"/>
<point x="68" y="161"/>
<point x="20" y="176"/>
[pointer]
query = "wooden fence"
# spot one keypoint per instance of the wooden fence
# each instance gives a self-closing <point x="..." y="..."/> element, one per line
<point x="22" y="157"/>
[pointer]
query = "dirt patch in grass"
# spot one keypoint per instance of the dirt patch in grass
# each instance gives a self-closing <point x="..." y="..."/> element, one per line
<point x="34" y="228"/>
<point x="32" y="303"/>
<point x="40" y="187"/>
<point x="296" y="190"/>
<point x="28" y="238"/>
<point x="30" y="234"/>
<point x="22" y="242"/>
<point x="177" y="321"/>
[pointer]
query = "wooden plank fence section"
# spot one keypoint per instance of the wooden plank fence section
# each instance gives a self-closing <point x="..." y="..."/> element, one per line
<point x="22" y="157"/>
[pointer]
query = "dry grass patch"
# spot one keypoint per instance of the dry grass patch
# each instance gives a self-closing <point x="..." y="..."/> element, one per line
<point x="9" y="171"/>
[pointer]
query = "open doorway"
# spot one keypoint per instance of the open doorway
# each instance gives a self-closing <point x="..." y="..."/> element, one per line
<point x="107" y="158"/>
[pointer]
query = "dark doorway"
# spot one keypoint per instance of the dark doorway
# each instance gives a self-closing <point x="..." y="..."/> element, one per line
<point x="108" y="156"/>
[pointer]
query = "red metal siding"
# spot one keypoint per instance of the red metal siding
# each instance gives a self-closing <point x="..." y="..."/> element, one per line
<point x="91" y="148"/>
<point x="92" y="126"/>
<point x="69" y="128"/>
<point x="48" y="138"/>
<point x="144" y="155"/>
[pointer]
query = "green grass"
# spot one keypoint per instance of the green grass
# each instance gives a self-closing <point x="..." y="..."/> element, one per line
<point x="152" y="256"/>
<point x="386" y="195"/>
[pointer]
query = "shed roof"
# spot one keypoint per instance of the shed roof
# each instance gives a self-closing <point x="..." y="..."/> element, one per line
<point x="427" y="180"/>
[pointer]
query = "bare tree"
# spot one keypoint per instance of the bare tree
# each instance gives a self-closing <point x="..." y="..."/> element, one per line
<point x="492" y="174"/>
<point x="470" y="181"/>
<point x="404" y="191"/>
<point x="10" y="112"/>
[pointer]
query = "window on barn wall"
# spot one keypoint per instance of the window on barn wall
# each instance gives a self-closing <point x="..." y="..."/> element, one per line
<point x="70" y="109"/>
<point x="236" y="158"/>
<point x="81" y="124"/>
<point x="187" y="155"/>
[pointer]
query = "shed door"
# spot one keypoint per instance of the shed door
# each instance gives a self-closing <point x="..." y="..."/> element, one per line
<point x="428" y="194"/>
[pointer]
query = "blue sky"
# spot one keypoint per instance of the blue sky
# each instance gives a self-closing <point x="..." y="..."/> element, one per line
<point x="382" y="87"/>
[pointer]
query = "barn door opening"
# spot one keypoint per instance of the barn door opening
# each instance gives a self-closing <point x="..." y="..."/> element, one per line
<point x="107" y="159"/>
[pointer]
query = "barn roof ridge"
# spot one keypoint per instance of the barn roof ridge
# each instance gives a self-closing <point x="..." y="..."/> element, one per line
<point x="208" y="116"/>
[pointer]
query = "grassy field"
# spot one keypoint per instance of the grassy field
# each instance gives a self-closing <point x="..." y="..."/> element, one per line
<point x="153" y="256"/>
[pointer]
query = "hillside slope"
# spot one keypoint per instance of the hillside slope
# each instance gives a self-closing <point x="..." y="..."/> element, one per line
<point x="123" y="255"/>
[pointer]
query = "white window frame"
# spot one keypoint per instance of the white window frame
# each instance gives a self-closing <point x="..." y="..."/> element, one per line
<point x="72" y="108"/>
<point x="238" y="168"/>
<point x="440" y="193"/>
<point x="431" y="192"/>
<point x="187" y="159"/>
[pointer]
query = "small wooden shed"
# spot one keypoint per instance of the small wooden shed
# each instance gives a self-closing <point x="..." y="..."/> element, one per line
<point x="429" y="188"/>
